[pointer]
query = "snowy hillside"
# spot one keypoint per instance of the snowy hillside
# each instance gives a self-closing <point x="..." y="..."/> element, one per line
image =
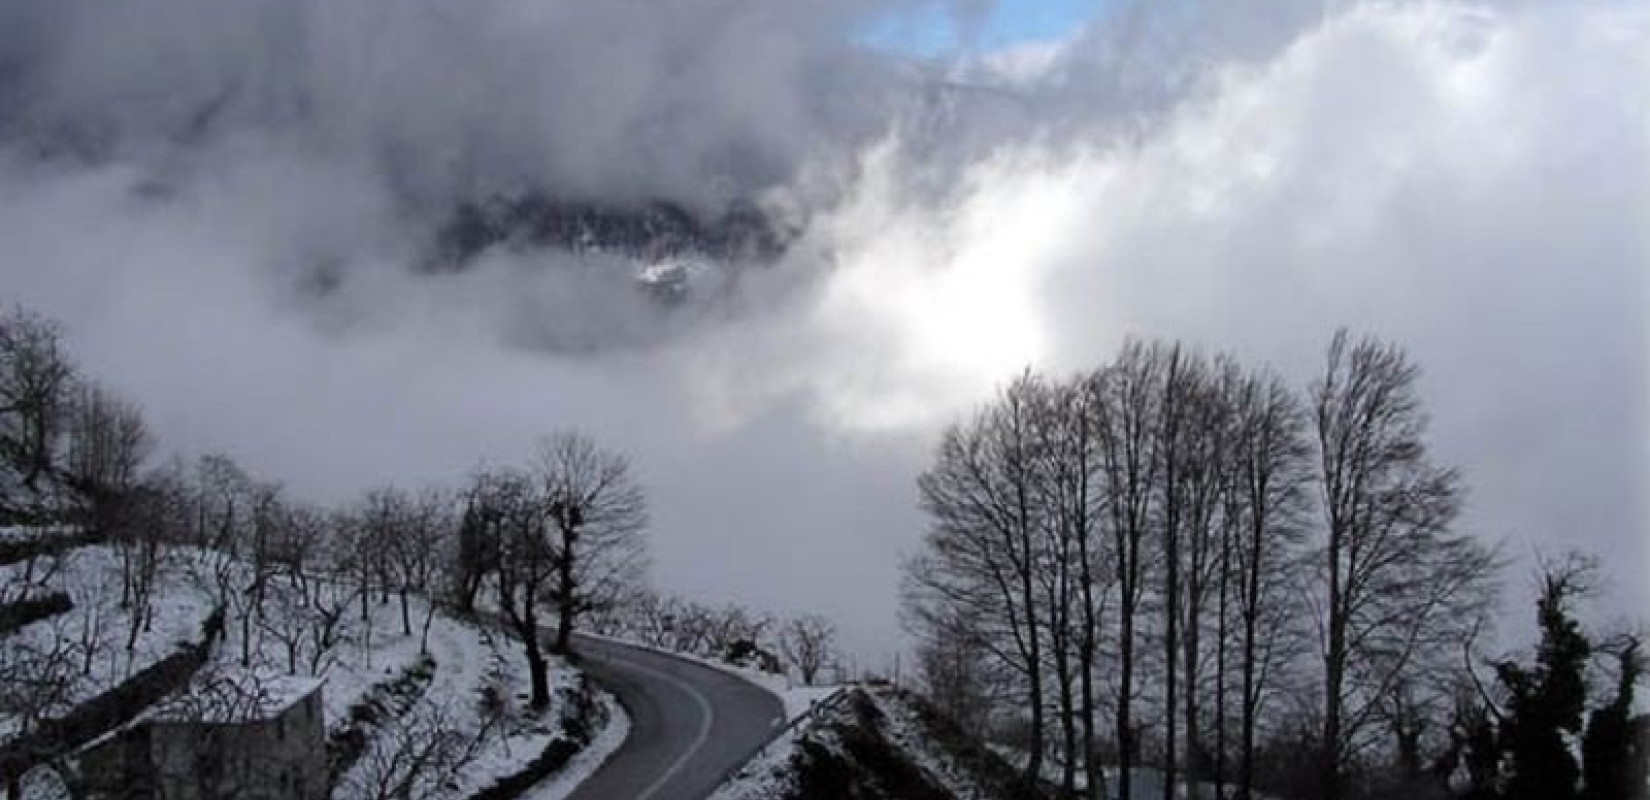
<point x="877" y="742"/>
<point x="439" y="707"/>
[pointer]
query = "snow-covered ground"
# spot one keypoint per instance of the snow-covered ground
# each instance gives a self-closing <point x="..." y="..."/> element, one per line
<point x="769" y="773"/>
<point x="21" y="533"/>
<point x="89" y="641"/>
<point x="1144" y="782"/>
<point x="473" y="715"/>
<point x="469" y="661"/>
<point x="905" y="730"/>
<point x="590" y="759"/>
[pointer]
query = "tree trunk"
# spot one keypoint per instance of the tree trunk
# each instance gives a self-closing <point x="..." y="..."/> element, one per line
<point x="1222" y="631"/>
<point x="566" y="597"/>
<point x="1246" y="735"/>
<point x="1068" y="721"/>
<point x="1170" y="653"/>
<point x="537" y="667"/>
<point x="539" y="670"/>
<point x="424" y="633"/>
<point x="1125" y="691"/>
<point x="1034" y="674"/>
<point x="1085" y="665"/>
<point x="1334" y="663"/>
<point x="1193" y="749"/>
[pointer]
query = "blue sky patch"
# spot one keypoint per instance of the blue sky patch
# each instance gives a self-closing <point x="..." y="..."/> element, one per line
<point x="933" y="29"/>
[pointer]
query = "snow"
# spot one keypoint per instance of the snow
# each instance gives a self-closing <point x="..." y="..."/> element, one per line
<point x="471" y="662"/>
<point x="767" y="775"/>
<point x="906" y="731"/>
<point x="24" y="533"/>
<point x="802" y="699"/>
<point x="239" y="697"/>
<point x="468" y="659"/>
<point x="97" y="627"/>
<point x="590" y="759"/>
<point x="1144" y="782"/>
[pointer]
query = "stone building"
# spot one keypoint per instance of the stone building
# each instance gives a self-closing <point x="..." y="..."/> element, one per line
<point x="239" y="737"/>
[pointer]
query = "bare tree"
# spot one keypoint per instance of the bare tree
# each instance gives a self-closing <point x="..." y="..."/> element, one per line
<point x="809" y="643"/>
<point x="476" y="554"/>
<point x="301" y="543"/>
<point x="980" y="553"/>
<point x="1269" y="497"/>
<point x="329" y="603"/>
<point x="956" y="667"/>
<point x="40" y="674"/>
<point x="419" y="756"/>
<point x="222" y="491"/>
<point x="255" y="572"/>
<point x="1127" y="422"/>
<point x="1205" y="485"/>
<point x="366" y="537"/>
<point x="1177" y="439"/>
<point x="284" y="621"/>
<point x="509" y="506"/>
<point x="35" y="381"/>
<point x="598" y="513"/>
<point x="1077" y="494"/>
<point x="153" y="510"/>
<point x="1394" y="578"/>
<point x="723" y="629"/>
<point x="431" y="534"/>
<point x="108" y="442"/>
<point x="414" y="554"/>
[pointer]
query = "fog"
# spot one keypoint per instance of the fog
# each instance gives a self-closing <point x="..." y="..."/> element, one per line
<point x="1472" y="180"/>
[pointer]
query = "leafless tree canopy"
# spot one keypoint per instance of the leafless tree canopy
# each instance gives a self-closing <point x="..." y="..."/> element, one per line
<point x="566" y="532"/>
<point x="809" y="643"/>
<point x="1161" y="541"/>
<point x="598" y="514"/>
<point x="35" y="380"/>
<point x="1394" y="581"/>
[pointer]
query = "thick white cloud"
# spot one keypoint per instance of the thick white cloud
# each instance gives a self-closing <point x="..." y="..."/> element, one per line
<point x="1471" y="182"/>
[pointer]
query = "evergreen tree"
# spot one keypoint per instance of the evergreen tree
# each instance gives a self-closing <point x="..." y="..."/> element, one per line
<point x="1546" y="702"/>
<point x="1481" y="755"/>
<point x="1612" y="769"/>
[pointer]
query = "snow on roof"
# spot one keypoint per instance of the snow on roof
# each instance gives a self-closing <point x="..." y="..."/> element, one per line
<point x="235" y="697"/>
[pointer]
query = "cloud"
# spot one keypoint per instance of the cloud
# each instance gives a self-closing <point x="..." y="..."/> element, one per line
<point x="691" y="99"/>
<point x="1468" y="181"/>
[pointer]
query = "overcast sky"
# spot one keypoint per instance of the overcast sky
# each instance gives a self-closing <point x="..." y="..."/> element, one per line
<point x="1469" y="179"/>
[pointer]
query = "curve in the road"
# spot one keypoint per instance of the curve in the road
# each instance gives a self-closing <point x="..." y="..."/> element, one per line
<point x="689" y="724"/>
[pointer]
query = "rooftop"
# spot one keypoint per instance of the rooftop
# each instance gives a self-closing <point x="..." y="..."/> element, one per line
<point x="234" y="697"/>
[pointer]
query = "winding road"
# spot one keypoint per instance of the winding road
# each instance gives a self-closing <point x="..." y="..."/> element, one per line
<point x="689" y="724"/>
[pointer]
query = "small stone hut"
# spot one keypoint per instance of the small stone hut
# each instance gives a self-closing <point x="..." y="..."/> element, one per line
<point x="258" y="738"/>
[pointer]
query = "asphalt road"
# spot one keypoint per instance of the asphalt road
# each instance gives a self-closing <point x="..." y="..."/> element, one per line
<point x="689" y="724"/>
